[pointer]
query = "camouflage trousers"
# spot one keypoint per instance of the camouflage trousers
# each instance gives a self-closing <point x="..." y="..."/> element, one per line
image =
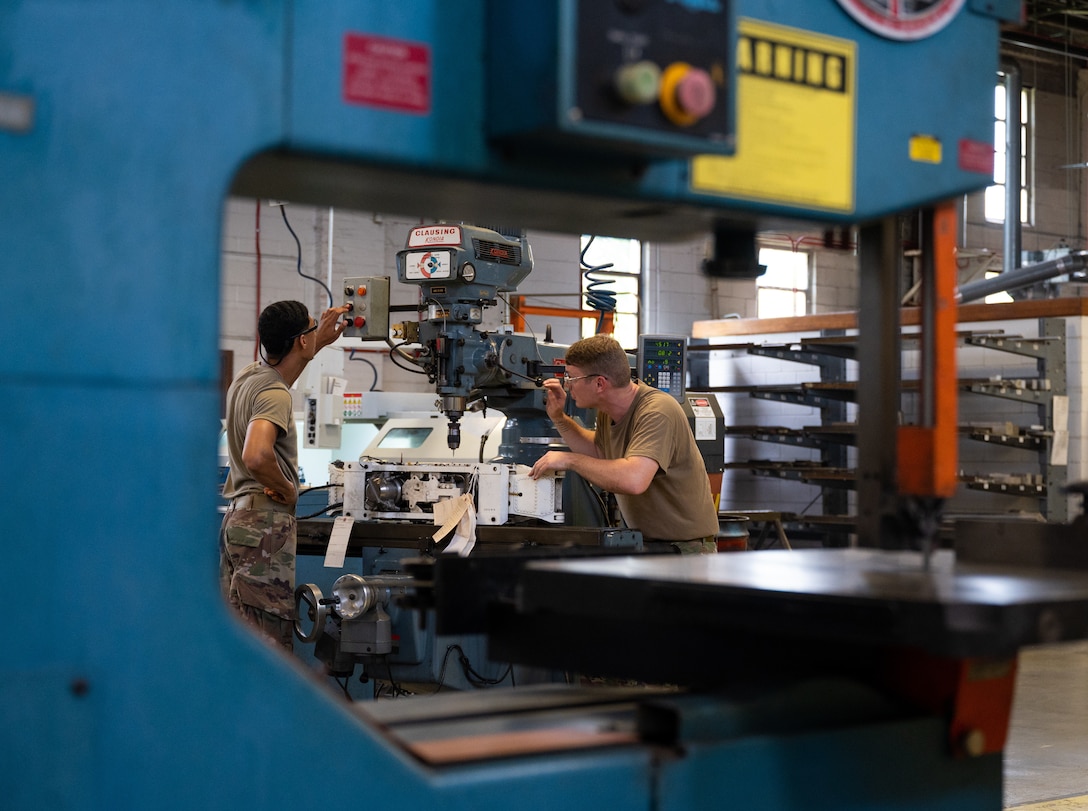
<point x="257" y="569"/>
<point x="699" y="546"/>
<point x="703" y="546"/>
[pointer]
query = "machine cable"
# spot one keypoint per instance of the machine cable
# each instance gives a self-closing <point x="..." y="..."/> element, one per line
<point x="471" y="675"/>
<point x="528" y="326"/>
<point x="536" y="346"/>
<point x="344" y="686"/>
<point x="498" y="362"/>
<point x="351" y="357"/>
<point x="396" y="690"/>
<point x="335" y="506"/>
<point x="338" y="505"/>
<point x="298" y="264"/>
<point x="483" y="442"/>
<point x="603" y="300"/>
<point x="395" y="351"/>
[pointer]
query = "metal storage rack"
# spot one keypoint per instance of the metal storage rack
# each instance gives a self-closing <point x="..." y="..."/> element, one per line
<point x="1046" y="436"/>
<point x="1047" y="392"/>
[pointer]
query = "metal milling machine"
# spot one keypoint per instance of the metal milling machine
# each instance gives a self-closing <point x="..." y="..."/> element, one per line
<point x="493" y="375"/>
<point x="407" y="480"/>
<point x="873" y="677"/>
<point x="460" y="270"/>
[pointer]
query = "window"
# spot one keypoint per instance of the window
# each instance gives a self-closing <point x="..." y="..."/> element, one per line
<point x="783" y="290"/>
<point x="620" y="282"/>
<point x="994" y="200"/>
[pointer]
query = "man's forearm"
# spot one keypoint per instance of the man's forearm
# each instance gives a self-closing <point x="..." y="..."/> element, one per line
<point x="268" y="474"/>
<point x="578" y="439"/>
<point x="623" y="476"/>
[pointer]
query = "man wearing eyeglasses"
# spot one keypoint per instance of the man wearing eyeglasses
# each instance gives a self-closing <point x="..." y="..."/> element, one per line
<point x="642" y="450"/>
<point x="257" y="538"/>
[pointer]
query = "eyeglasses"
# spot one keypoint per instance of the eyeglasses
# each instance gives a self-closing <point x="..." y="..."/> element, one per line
<point x="568" y="380"/>
<point x="306" y="331"/>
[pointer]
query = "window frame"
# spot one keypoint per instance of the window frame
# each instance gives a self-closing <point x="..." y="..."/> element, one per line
<point x="993" y="196"/>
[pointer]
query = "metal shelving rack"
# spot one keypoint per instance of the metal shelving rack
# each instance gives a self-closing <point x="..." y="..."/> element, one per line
<point x="1048" y="393"/>
<point x="834" y="436"/>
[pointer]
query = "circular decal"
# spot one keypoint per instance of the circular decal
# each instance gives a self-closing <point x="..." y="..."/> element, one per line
<point x="427" y="265"/>
<point x="903" y="19"/>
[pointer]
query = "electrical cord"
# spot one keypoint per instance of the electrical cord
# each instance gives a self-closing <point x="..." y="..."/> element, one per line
<point x="351" y="357"/>
<point x="395" y="351"/>
<point x="471" y="675"/>
<point x="396" y="689"/>
<point x="528" y="326"/>
<point x="298" y="265"/>
<point x="344" y="686"/>
<point x="335" y="506"/>
<point x="513" y="373"/>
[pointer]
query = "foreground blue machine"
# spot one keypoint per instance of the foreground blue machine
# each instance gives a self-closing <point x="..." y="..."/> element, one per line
<point x="124" y="125"/>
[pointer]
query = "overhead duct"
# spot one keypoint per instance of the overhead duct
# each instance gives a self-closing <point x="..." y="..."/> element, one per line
<point x="1023" y="277"/>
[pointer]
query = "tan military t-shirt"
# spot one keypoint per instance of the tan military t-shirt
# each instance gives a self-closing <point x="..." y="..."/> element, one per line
<point x="258" y="392"/>
<point x="678" y="505"/>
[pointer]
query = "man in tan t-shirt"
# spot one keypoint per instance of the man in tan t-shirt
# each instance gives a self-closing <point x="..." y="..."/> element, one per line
<point x="257" y="538"/>
<point x="642" y="450"/>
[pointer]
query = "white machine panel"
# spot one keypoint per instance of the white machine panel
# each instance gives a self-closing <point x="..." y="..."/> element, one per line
<point x="542" y="498"/>
<point x="408" y="492"/>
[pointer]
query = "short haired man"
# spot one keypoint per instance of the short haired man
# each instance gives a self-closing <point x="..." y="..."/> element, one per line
<point x="642" y="450"/>
<point x="257" y="538"/>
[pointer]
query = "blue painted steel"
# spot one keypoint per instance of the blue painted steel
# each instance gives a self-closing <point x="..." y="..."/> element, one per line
<point x="896" y="765"/>
<point x="110" y="207"/>
<point x="824" y="745"/>
<point x="1006" y="10"/>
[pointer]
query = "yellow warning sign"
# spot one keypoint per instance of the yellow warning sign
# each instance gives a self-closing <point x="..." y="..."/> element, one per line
<point x="796" y="121"/>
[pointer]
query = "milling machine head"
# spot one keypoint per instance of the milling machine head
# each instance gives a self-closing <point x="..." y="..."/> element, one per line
<point x="460" y="270"/>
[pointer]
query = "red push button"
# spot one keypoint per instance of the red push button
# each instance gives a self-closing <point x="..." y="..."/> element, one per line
<point x="696" y="94"/>
<point x="688" y="94"/>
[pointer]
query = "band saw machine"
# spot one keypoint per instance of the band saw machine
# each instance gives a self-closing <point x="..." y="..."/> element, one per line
<point x="123" y="125"/>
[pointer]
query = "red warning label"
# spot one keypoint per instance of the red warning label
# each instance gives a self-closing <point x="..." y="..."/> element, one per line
<point x="387" y="73"/>
<point x="976" y="156"/>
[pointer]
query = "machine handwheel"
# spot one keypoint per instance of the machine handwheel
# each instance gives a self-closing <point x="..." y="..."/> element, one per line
<point x="311" y="595"/>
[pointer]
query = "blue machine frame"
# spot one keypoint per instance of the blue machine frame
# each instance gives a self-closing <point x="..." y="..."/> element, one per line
<point x="123" y="126"/>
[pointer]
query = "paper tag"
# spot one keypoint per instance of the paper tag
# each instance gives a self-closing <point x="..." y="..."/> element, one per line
<point x="447" y="514"/>
<point x="464" y="537"/>
<point x="456" y="512"/>
<point x="1059" y="449"/>
<point x="706" y="428"/>
<point x="338" y="542"/>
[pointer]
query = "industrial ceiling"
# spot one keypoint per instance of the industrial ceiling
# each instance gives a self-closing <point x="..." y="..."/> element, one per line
<point x="1058" y="25"/>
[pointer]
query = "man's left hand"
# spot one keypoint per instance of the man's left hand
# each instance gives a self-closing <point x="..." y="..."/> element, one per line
<point x="552" y="460"/>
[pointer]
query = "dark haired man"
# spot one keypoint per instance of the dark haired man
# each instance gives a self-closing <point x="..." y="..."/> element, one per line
<point x="642" y="450"/>
<point x="257" y="538"/>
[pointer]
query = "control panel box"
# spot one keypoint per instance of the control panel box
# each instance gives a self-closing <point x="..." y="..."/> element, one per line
<point x="662" y="363"/>
<point x="707" y="423"/>
<point x="649" y="78"/>
<point x="368" y="297"/>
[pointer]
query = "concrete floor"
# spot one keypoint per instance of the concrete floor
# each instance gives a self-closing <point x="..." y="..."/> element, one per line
<point x="1046" y="757"/>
